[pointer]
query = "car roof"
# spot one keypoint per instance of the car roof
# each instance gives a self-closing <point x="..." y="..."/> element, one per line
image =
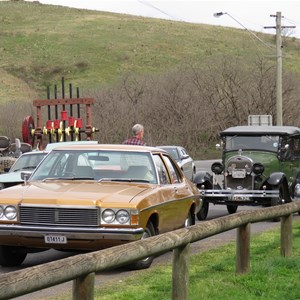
<point x="113" y="147"/>
<point x="254" y="130"/>
<point x="170" y="147"/>
<point x="35" y="152"/>
<point x="52" y="146"/>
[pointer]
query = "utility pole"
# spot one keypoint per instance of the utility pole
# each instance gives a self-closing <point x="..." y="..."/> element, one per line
<point x="278" y="28"/>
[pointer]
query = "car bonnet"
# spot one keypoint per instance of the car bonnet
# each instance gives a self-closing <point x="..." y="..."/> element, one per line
<point x="74" y="193"/>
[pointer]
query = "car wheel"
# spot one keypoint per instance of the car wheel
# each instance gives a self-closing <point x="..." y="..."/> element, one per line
<point x="146" y="262"/>
<point x="11" y="256"/>
<point x="190" y="219"/>
<point x="193" y="174"/>
<point x="232" y="208"/>
<point x="202" y="214"/>
<point x="276" y="201"/>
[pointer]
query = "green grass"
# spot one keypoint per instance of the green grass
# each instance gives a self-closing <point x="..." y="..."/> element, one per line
<point x="212" y="275"/>
<point x="42" y="43"/>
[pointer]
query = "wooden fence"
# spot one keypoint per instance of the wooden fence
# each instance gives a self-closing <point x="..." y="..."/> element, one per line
<point x="81" y="268"/>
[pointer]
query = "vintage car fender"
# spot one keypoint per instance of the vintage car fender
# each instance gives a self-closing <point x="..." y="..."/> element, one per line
<point x="279" y="179"/>
<point x="276" y="179"/>
<point x="203" y="178"/>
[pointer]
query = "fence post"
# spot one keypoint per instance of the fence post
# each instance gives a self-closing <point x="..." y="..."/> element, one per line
<point x="180" y="273"/>
<point x="286" y="235"/>
<point x="243" y="249"/>
<point x="83" y="287"/>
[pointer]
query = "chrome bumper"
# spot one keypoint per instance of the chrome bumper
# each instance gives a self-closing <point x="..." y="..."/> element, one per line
<point x="72" y="233"/>
<point x="239" y="195"/>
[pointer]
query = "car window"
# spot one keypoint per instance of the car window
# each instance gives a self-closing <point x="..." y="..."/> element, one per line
<point x="183" y="152"/>
<point x="297" y="147"/>
<point x="175" y="177"/>
<point x="161" y="170"/>
<point x="173" y="152"/>
<point x="264" y="142"/>
<point x="97" y="165"/>
<point x="27" y="162"/>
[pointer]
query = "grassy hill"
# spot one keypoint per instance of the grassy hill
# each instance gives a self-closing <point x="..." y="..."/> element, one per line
<point x="41" y="43"/>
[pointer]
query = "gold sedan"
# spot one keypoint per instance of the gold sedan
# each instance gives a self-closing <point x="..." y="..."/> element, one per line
<point x="90" y="197"/>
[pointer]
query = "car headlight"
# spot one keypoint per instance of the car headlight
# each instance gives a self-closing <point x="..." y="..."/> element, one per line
<point x="10" y="212"/>
<point x="108" y="216"/>
<point x="122" y="216"/>
<point x="258" y="168"/>
<point x="119" y="216"/>
<point x="217" y="168"/>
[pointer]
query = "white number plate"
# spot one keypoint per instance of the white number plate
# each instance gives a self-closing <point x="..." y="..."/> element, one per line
<point x="238" y="173"/>
<point x="55" y="239"/>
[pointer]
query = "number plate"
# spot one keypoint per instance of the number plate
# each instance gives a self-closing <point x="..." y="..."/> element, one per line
<point x="55" y="239"/>
<point x="239" y="173"/>
<point x="240" y="198"/>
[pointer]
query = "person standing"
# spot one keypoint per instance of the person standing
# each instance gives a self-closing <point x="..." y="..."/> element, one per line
<point x="137" y="138"/>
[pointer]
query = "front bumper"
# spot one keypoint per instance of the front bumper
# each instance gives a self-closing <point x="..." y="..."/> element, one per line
<point x="71" y="233"/>
<point x="241" y="197"/>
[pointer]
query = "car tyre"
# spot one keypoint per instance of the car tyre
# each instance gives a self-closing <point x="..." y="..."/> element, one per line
<point x="146" y="262"/>
<point x="190" y="219"/>
<point x="11" y="256"/>
<point x="232" y="209"/>
<point x="278" y="201"/>
<point x="193" y="174"/>
<point x="202" y="214"/>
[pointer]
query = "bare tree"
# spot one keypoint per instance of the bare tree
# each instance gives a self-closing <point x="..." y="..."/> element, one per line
<point x="187" y="106"/>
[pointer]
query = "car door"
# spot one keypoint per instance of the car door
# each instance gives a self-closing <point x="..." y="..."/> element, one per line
<point x="173" y="192"/>
<point x="186" y="163"/>
<point x="289" y="163"/>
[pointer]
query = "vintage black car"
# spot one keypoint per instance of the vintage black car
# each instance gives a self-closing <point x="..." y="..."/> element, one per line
<point x="260" y="166"/>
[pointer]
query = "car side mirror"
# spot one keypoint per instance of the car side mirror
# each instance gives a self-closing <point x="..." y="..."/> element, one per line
<point x="25" y="175"/>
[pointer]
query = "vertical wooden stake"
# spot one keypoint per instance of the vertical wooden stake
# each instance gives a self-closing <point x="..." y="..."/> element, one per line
<point x="286" y="235"/>
<point x="83" y="287"/>
<point x="180" y="273"/>
<point x="243" y="249"/>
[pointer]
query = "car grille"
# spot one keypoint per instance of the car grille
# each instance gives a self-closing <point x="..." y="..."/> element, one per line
<point x="238" y="184"/>
<point x="59" y="216"/>
<point x="240" y="163"/>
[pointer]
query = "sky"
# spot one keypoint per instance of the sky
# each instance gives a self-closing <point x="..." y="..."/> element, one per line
<point x="250" y="15"/>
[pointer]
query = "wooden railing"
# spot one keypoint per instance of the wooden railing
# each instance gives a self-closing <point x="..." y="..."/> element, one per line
<point x="81" y="268"/>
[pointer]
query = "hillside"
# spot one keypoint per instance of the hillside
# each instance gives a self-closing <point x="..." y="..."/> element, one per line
<point x="42" y="43"/>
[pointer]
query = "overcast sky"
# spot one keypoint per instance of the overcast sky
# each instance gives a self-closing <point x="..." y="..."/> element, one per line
<point x="252" y="15"/>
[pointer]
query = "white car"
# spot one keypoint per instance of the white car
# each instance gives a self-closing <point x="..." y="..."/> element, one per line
<point x="28" y="161"/>
<point x="185" y="162"/>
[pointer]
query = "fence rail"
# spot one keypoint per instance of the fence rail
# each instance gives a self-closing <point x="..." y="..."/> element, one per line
<point x="81" y="268"/>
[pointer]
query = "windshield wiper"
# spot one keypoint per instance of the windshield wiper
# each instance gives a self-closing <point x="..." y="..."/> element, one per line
<point x="24" y="168"/>
<point x="68" y="178"/>
<point x="124" y="180"/>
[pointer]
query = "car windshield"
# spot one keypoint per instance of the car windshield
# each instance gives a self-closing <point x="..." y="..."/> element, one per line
<point x="97" y="165"/>
<point x="173" y="152"/>
<point x="27" y="161"/>
<point x="263" y="142"/>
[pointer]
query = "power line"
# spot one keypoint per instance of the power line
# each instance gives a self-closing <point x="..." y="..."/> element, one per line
<point x="158" y="9"/>
<point x="219" y="14"/>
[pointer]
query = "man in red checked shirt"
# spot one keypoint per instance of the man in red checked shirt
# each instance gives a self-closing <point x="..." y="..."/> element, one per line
<point x="137" y="138"/>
